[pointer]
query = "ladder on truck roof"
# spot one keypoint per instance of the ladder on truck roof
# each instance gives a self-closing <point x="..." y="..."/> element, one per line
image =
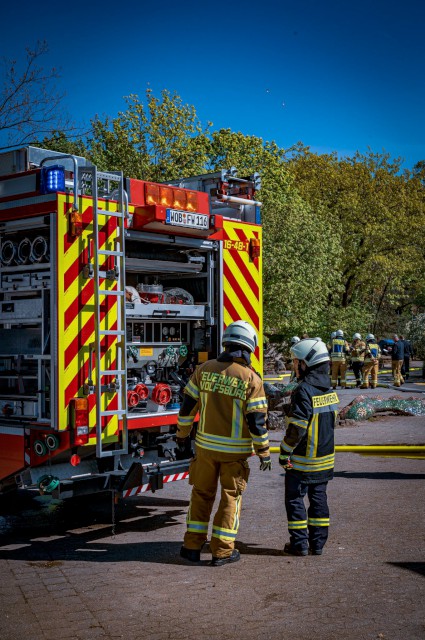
<point x="90" y="177"/>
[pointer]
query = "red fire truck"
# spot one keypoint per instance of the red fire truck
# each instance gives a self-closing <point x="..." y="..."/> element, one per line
<point x="112" y="289"/>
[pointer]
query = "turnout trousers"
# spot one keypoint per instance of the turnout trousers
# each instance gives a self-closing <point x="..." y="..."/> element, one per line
<point x="396" y="369"/>
<point x="338" y="370"/>
<point x="206" y="470"/>
<point x="370" y="368"/>
<point x="306" y="530"/>
<point x="357" y="370"/>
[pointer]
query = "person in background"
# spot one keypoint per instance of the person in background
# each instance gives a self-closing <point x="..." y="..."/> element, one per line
<point x="232" y="406"/>
<point x="408" y="353"/>
<point x="371" y="362"/>
<point x="397" y="360"/>
<point x="307" y="451"/>
<point x="339" y="351"/>
<point x="357" y="351"/>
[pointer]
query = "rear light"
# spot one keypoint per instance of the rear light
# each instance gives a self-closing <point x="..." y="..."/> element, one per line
<point x="75" y="223"/>
<point x="80" y="420"/>
<point x="172" y="198"/>
<point x="179" y="199"/>
<point x="254" y="248"/>
<point x="192" y="201"/>
<point x="152" y="193"/>
<point x="166" y="196"/>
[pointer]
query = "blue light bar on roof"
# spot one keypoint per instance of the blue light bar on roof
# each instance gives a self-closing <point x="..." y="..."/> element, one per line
<point x="52" y="179"/>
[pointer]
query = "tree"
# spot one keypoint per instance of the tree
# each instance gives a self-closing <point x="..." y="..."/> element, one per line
<point x="30" y="106"/>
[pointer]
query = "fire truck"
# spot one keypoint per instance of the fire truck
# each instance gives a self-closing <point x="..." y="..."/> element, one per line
<point x="112" y="290"/>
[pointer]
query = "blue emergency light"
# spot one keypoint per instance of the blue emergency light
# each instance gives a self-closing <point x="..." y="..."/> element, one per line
<point x="52" y="179"/>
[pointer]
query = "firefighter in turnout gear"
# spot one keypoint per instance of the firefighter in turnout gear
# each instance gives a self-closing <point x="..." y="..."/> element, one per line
<point x="357" y="351"/>
<point x="339" y="350"/>
<point x="307" y="451"/>
<point x="232" y="407"/>
<point x="371" y="362"/>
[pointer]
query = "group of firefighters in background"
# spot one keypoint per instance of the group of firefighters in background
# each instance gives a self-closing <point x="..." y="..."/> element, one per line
<point x="363" y="356"/>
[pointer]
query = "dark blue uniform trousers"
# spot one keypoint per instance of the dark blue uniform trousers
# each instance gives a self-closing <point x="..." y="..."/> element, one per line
<point x="312" y="530"/>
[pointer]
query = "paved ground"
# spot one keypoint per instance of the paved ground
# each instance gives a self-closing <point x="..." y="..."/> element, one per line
<point x="66" y="574"/>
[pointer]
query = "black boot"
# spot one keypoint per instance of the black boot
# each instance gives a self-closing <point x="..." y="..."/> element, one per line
<point x="234" y="557"/>
<point x="294" y="551"/>
<point x="193" y="555"/>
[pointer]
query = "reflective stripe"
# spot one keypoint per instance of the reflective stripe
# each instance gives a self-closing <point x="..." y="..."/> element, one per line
<point x="318" y="522"/>
<point x="255" y="404"/>
<point x="192" y="390"/>
<point x="307" y="460"/>
<point x="299" y="423"/>
<point x="308" y="467"/>
<point x="228" y="535"/>
<point x="297" y="524"/>
<point x="237" y="419"/>
<point x="203" y="441"/>
<point x="197" y="527"/>
<point x="312" y="437"/>
<point x="264" y="439"/>
<point x="285" y="447"/>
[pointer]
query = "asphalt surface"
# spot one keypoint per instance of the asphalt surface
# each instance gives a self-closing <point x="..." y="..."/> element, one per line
<point x="88" y="569"/>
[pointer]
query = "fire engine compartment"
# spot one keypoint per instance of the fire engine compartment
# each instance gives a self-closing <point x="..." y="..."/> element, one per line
<point x="170" y="311"/>
<point x="25" y="320"/>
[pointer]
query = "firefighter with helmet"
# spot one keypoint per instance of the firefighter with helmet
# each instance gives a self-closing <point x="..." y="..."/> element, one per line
<point x="339" y="352"/>
<point x="357" y="351"/>
<point x="294" y="374"/>
<point x="307" y="451"/>
<point x="232" y="406"/>
<point x="371" y="362"/>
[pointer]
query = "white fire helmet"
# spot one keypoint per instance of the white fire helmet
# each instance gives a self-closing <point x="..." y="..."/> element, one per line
<point x="311" y="351"/>
<point x="357" y="336"/>
<point x="339" y="333"/>
<point x="294" y="340"/>
<point x="370" y="336"/>
<point x="241" y="333"/>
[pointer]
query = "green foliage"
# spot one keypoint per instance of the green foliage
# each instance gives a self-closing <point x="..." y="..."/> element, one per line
<point x="343" y="239"/>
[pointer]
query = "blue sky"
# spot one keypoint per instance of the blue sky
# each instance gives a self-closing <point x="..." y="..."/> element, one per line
<point x="338" y="76"/>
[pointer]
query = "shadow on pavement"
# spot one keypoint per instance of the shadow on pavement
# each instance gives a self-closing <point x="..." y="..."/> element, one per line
<point x="379" y="475"/>
<point x="254" y="550"/>
<point x="417" y="567"/>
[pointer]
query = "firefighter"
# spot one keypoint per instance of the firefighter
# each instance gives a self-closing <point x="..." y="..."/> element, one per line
<point x="371" y="362"/>
<point x="397" y="360"/>
<point x="357" y="351"/>
<point x="307" y="451"/>
<point x="294" y="374"/>
<point x="232" y="407"/>
<point x="339" y="350"/>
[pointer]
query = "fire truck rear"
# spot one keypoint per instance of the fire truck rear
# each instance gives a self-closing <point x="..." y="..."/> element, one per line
<point x="112" y="290"/>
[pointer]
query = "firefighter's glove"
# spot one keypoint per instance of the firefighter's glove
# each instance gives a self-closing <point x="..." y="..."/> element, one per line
<point x="265" y="464"/>
<point x="285" y="461"/>
<point x="183" y="448"/>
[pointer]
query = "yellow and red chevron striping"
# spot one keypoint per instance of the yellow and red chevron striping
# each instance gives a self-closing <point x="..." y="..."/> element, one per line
<point x="76" y="315"/>
<point x="242" y="279"/>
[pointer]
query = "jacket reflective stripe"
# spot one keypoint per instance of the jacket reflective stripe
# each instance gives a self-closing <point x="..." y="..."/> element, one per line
<point x="285" y="447"/>
<point x="237" y="419"/>
<point x="192" y="390"/>
<point x="312" y="437"/>
<point x="260" y="439"/>
<point x="313" y="461"/>
<point x="298" y="422"/>
<point x="309" y="467"/>
<point x="255" y="404"/>
<point x="205" y="442"/>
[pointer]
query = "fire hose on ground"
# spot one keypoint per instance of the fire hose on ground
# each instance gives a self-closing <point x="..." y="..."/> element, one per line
<point x="413" y="451"/>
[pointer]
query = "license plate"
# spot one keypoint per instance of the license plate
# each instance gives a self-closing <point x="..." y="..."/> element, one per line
<point x="187" y="219"/>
